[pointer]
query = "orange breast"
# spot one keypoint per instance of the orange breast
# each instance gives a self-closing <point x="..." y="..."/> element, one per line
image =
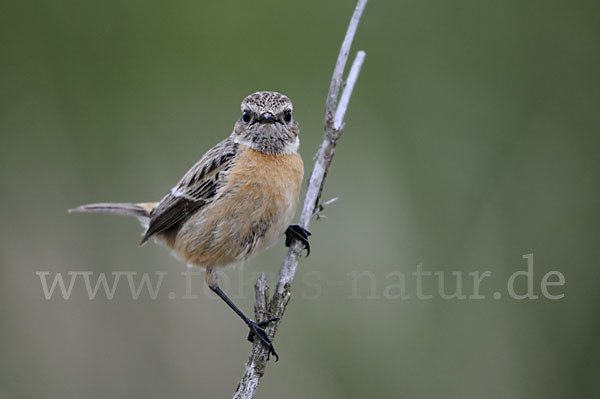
<point x="253" y="208"/>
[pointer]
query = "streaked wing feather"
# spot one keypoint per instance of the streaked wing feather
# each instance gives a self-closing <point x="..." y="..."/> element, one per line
<point x="197" y="188"/>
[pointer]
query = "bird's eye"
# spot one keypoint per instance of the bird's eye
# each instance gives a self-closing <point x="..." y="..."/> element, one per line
<point x="287" y="116"/>
<point x="246" y="117"/>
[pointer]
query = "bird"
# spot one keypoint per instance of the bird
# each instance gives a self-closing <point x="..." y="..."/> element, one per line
<point x="236" y="201"/>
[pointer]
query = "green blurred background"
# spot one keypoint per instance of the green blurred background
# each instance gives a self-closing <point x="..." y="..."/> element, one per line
<point x="471" y="140"/>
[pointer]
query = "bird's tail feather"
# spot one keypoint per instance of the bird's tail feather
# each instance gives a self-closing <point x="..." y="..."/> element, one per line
<point x="142" y="210"/>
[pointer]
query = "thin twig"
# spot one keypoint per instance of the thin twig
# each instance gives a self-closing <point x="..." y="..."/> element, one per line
<point x="340" y="113"/>
<point x="338" y="71"/>
<point x="257" y="362"/>
<point x="334" y="125"/>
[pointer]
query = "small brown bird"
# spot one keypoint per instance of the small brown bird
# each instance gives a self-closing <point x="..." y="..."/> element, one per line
<point x="236" y="201"/>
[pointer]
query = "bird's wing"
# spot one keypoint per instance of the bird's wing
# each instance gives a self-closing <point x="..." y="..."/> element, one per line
<point x="197" y="188"/>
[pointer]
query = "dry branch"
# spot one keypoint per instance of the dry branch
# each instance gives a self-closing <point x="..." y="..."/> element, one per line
<point x="334" y="125"/>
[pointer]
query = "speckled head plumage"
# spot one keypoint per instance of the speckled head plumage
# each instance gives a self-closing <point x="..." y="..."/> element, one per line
<point x="267" y="124"/>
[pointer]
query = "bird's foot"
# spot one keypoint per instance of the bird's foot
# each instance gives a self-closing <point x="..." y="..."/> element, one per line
<point x="297" y="232"/>
<point x="258" y="330"/>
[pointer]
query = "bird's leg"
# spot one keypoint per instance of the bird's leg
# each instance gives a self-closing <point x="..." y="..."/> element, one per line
<point x="256" y="328"/>
<point x="297" y="232"/>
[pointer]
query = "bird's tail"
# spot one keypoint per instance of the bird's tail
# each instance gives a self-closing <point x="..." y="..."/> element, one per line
<point x="142" y="210"/>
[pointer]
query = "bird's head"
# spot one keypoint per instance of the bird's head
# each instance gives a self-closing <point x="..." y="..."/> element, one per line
<point x="267" y="124"/>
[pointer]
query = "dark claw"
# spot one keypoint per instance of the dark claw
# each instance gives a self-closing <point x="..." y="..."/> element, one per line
<point x="265" y="323"/>
<point x="297" y="232"/>
<point x="258" y="330"/>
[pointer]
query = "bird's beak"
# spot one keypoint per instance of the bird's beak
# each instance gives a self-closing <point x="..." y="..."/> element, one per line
<point x="267" y="117"/>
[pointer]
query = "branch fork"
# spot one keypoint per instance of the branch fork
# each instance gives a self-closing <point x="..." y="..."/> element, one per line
<point x="335" y="113"/>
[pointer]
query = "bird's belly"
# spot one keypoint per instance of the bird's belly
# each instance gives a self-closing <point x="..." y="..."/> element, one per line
<point x="252" y="210"/>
